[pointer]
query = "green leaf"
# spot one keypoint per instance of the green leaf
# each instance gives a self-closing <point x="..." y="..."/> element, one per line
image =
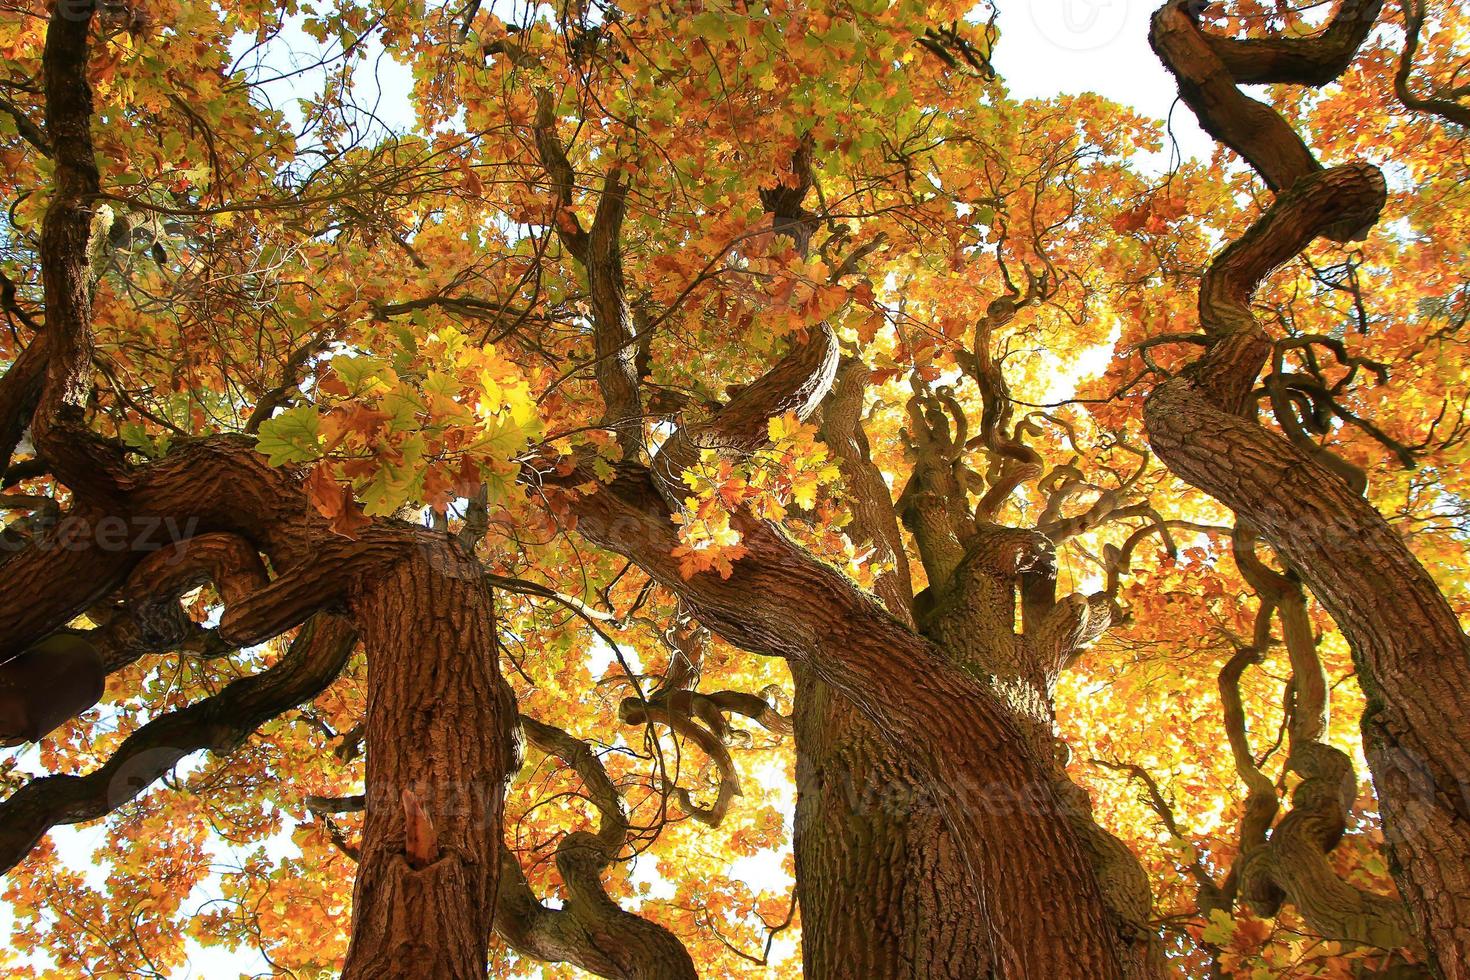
<point x="711" y="26"/>
<point x="357" y="372"/>
<point x="293" y="436"/>
<point x="1221" y="928"/>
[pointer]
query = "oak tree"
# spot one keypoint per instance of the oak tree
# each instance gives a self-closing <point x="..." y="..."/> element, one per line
<point x="727" y="489"/>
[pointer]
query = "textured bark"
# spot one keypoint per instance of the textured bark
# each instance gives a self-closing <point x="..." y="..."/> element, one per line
<point x="66" y="229"/>
<point x="1251" y="128"/>
<point x="1294" y="867"/>
<point x="973" y="621"/>
<point x="602" y="938"/>
<point x="589" y="929"/>
<point x="437" y="724"/>
<point x="1291" y="864"/>
<point x="1412" y="657"/>
<point x="20" y="389"/>
<point x="433" y="714"/>
<point x="61" y="573"/>
<point x="797" y="384"/>
<point x="874" y="521"/>
<point x="1020" y="851"/>
<point x="981" y="574"/>
<point x="882" y="887"/>
<point x="437" y="727"/>
<point x="1009" y="818"/>
<point x="1314" y="60"/>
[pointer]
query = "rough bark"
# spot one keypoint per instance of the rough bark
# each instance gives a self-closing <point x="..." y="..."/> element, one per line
<point x="1292" y="864"/>
<point x="797" y="383"/>
<point x="589" y="930"/>
<point x="779" y="601"/>
<point x="874" y="521"/>
<point x="882" y="887"/>
<point x="982" y="573"/>
<point x="1020" y="851"/>
<point x="1411" y="654"/>
<point x="436" y="728"/>
<point x="1315" y="60"/>
<point x="973" y="622"/>
<point x="1249" y="127"/>
<point x="20" y="389"/>
<point x="424" y="900"/>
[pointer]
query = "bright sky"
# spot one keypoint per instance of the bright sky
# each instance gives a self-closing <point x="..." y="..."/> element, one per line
<point x="1074" y="46"/>
<point x="1047" y="47"/>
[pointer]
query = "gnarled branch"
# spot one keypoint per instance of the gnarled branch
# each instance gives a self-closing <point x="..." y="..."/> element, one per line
<point x="219" y="723"/>
<point x="590" y="930"/>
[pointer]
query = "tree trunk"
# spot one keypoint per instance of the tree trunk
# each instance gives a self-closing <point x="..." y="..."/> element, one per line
<point x="882" y="889"/>
<point x="437" y="762"/>
<point x="1407" y="644"/>
<point x="1013" y="835"/>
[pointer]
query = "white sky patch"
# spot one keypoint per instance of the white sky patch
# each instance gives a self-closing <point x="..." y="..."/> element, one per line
<point x="1051" y="47"/>
<point x="1064" y="373"/>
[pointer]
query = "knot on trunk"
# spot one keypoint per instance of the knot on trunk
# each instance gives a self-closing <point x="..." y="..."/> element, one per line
<point x="420" y="839"/>
<point x="1010" y="552"/>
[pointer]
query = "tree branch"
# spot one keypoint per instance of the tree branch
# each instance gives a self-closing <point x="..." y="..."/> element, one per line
<point x="599" y="252"/>
<point x="874" y="519"/>
<point x="1313" y="61"/>
<point x="1252" y="129"/>
<point x="590" y="930"/>
<point x="1448" y="109"/>
<point x="796" y="384"/>
<point x="780" y="601"/>
<point x="220" y="723"/>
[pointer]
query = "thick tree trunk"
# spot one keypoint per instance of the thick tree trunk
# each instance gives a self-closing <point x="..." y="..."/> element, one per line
<point x="1013" y="835"/>
<point x="437" y="726"/>
<point x="437" y="761"/>
<point x="882" y="889"/>
<point x="1406" y="641"/>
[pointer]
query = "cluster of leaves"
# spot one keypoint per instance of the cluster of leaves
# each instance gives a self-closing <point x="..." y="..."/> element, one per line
<point x="445" y="417"/>
<point x="398" y="304"/>
<point x="791" y="470"/>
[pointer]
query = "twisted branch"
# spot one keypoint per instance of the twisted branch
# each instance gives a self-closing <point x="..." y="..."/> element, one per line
<point x="220" y="723"/>
<point x="1413" y="658"/>
<point x="590" y="930"/>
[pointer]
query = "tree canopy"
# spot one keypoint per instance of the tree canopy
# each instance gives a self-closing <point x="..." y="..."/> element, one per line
<point x="728" y="490"/>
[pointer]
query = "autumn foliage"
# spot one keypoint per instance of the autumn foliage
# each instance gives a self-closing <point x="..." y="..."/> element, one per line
<point x="574" y="273"/>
